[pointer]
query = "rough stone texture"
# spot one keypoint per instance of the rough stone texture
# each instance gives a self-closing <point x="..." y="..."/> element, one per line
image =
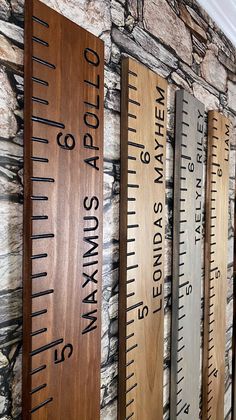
<point x="191" y="24"/>
<point x="214" y="72"/>
<point x="94" y="15"/>
<point x="8" y="105"/>
<point x="227" y="62"/>
<point x="112" y="131"/>
<point x="10" y="54"/>
<point x="180" y="81"/>
<point x="163" y="23"/>
<point x="179" y="41"/>
<point x="125" y="43"/>
<point x="197" y="18"/>
<point x="210" y="101"/>
<point x="232" y="94"/>
<point x="4" y="10"/>
<point x="117" y="13"/>
<point x="11" y="31"/>
<point x="17" y="7"/>
<point x="148" y="43"/>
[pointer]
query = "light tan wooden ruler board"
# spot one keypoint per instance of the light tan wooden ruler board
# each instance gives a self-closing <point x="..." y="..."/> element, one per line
<point x="187" y="261"/>
<point x="142" y="234"/>
<point x="216" y="266"/>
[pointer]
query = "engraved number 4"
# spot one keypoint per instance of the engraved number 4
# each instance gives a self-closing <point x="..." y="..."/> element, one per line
<point x="186" y="411"/>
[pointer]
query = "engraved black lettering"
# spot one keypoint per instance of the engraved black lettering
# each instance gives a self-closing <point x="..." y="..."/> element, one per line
<point x="158" y="207"/>
<point x="157" y="291"/>
<point x="92" y="161"/>
<point x="89" y="203"/>
<point x="157" y="275"/>
<point x="198" y="210"/>
<point x="159" y="135"/>
<point x="92" y="242"/>
<point x="157" y="256"/>
<point x="90" y="316"/>
<point x="199" y="158"/>
<point x="200" y="126"/>
<point x="90" y="278"/>
<point x="159" y="179"/>
<point x="159" y="138"/>
<point x="94" y="84"/>
<point x="91" y="117"/>
<point x="191" y="167"/>
<point x="159" y="158"/>
<point x="94" y="105"/>
<point x="158" y="144"/>
<point x="227" y="130"/>
<point x="64" y="353"/>
<point x="91" y="120"/>
<point x="159" y="128"/>
<point x="158" y="222"/>
<point x="92" y="57"/>
<point x="91" y="298"/>
<point x="158" y="260"/>
<point x="197" y="195"/>
<point x="94" y="226"/>
<point x="199" y="183"/>
<point x="88" y="142"/>
<point x="67" y="142"/>
<point x="160" y="114"/>
<point x="161" y="99"/>
<point x="157" y="239"/>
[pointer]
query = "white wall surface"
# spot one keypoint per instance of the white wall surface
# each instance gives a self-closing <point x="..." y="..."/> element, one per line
<point x="224" y="14"/>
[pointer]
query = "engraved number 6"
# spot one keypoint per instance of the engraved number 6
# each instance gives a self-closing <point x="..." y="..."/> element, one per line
<point x="145" y="157"/>
<point x="67" y="142"/>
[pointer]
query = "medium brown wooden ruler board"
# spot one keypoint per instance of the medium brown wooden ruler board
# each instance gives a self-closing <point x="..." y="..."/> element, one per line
<point x="187" y="261"/>
<point x="216" y="266"/>
<point x="62" y="217"/>
<point x="142" y="235"/>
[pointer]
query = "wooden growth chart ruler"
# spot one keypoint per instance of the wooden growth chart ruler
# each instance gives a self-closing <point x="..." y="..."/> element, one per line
<point x="216" y="266"/>
<point x="62" y="218"/>
<point x="187" y="261"/>
<point x="142" y="235"/>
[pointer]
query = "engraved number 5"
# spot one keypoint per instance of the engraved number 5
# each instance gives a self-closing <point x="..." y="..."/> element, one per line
<point x="63" y="353"/>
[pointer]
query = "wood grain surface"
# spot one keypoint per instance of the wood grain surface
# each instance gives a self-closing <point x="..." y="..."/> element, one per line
<point x="62" y="218"/>
<point x="142" y="235"/>
<point x="216" y="266"/>
<point x="187" y="261"/>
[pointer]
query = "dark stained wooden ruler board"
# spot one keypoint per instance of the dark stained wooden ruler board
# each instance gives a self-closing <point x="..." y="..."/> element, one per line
<point x="215" y="285"/>
<point x="64" y="86"/>
<point x="142" y="236"/>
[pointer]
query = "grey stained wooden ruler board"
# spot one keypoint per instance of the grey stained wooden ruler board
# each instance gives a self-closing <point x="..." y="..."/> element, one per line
<point x="142" y="235"/>
<point x="216" y="240"/>
<point x="187" y="261"/>
<point x="63" y="179"/>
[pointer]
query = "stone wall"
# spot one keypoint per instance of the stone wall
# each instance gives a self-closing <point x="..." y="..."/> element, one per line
<point x="176" y="39"/>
